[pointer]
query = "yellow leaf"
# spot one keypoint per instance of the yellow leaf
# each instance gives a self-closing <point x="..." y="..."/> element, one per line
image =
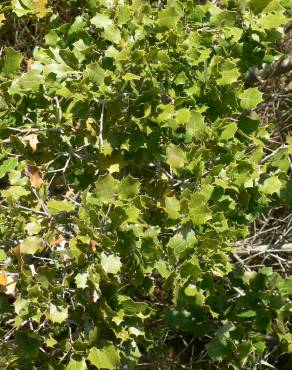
<point x="3" y="278"/>
<point x="2" y="19"/>
<point x="39" y="7"/>
<point x="8" y="283"/>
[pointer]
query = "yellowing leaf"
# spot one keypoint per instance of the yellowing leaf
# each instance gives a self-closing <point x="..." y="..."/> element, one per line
<point x="39" y="7"/>
<point x="2" y="19"/>
<point x="8" y="283"/>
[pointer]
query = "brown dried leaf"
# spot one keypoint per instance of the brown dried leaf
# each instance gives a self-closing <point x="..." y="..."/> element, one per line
<point x="35" y="176"/>
<point x="69" y="192"/>
<point x="57" y="240"/>
<point x="92" y="245"/>
<point x="32" y="139"/>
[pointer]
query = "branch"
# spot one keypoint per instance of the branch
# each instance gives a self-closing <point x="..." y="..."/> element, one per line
<point x="265" y="248"/>
<point x="281" y="66"/>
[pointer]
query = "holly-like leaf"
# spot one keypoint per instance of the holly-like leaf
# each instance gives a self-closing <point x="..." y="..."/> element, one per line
<point x="196" y="126"/>
<point x="101" y="20"/>
<point x="7" y="166"/>
<point x="199" y="211"/>
<point x="57" y="206"/>
<point x="168" y="18"/>
<point x="228" y="77"/>
<point x="228" y="131"/>
<point x="271" y="185"/>
<point x="172" y="207"/>
<point x="81" y="280"/>
<point x="76" y="364"/>
<point x="104" y="358"/>
<point x="57" y="314"/>
<point x="105" y="188"/>
<point x="250" y="98"/>
<point x="176" y="157"/>
<point x="11" y="62"/>
<point x="270" y="21"/>
<point x="111" y="264"/>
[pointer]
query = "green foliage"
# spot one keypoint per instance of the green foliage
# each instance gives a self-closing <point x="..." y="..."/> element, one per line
<point x="131" y="159"/>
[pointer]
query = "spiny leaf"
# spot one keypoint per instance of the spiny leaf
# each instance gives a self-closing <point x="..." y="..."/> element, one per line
<point x="104" y="358"/>
<point x="250" y="98"/>
<point x="57" y="206"/>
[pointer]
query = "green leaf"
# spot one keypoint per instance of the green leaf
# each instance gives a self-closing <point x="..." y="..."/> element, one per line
<point x="105" y="188"/>
<point x="228" y="77"/>
<point x="247" y="314"/>
<point x="179" y="243"/>
<point x="57" y="206"/>
<point x="168" y="18"/>
<point x="7" y="166"/>
<point x="76" y="364"/>
<point x="3" y="255"/>
<point x="258" y="5"/>
<point x="57" y="314"/>
<point x="101" y="21"/>
<point x="81" y="280"/>
<point x="128" y="187"/>
<point x="271" y="185"/>
<point x="11" y="62"/>
<point x="15" y="192"/>
<point x="192" y="291"/>
<point x="28" y="81"/>
<point x="199" y="211"/>
<point x="112" y="34"/>
<point x="31" y="245"/>
<point x="95" y="73"/>
<point x="250" y="98"/>
<point x="172" y="207"/>
<point x="196" y="126"/>
<point x="285" y="286"/>
<point x="228" y="132"/>
<point x="176" y="157"/>
<point x="105" y="358"/>
<point x="21" y="7"/>
<point x="111" y="264"/>
<point x="182" y="116"/>
<point x="270" y="21"/>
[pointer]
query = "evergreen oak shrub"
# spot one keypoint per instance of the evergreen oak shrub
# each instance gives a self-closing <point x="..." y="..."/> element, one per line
<point x="132" y="159"/>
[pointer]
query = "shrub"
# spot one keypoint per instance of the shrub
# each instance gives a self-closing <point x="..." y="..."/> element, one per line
<point x="132" y="160"/>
